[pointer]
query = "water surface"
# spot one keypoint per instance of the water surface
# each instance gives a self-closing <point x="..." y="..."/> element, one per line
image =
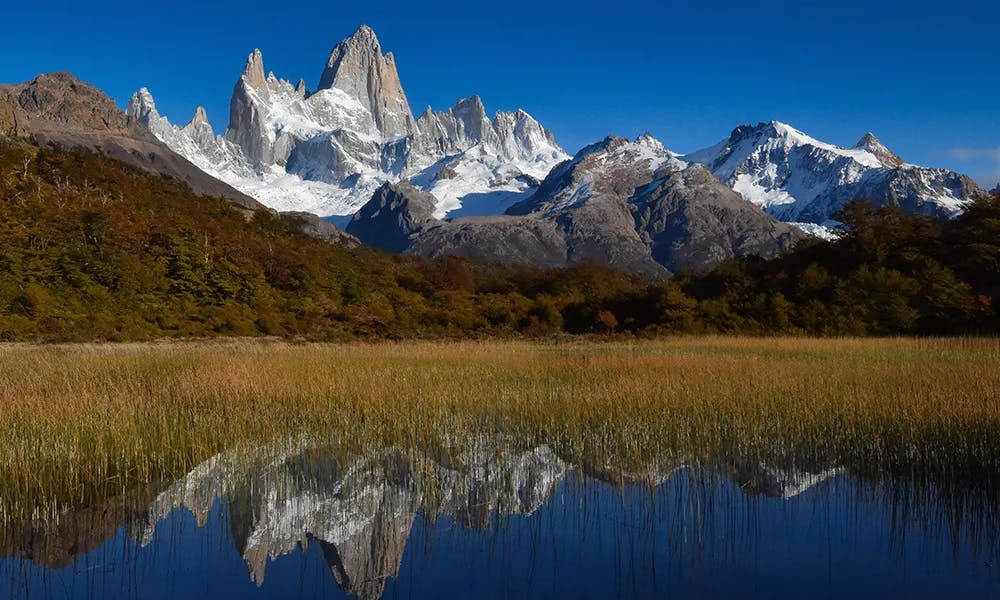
<point x="510" y="523"/>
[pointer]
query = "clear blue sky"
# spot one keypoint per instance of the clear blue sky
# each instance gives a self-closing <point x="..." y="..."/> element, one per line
<point x="924" y="76"/>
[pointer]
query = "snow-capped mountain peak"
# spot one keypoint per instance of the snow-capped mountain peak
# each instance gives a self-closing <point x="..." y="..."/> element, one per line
<point x="887" y="158"/>
<point x="328" y="151"/>
<point x="142" y="108"/>
<point x="796" y="177"/>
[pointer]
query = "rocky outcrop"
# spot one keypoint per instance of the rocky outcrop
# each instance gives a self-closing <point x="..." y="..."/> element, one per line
<point x="61" y="110"/>
<point x="400" y="218"/>
<point x="512" y="240"/>
<point x="319" y="228"/>
<point x="8" y="121"/>
<point x="395" y="214"/>
<point x="692" y="222"/>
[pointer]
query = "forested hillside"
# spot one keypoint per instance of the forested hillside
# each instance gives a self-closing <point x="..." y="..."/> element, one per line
<point x="93" y="249"/>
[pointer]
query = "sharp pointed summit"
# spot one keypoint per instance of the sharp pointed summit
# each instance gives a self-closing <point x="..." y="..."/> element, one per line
<point x="326" y="151"/>
<point x="358" y="67"/>
<point x="885" y="156"/>
<point x="200" y="117"/>
<point x="142" y="107"/>
<point x="253" y="72"/>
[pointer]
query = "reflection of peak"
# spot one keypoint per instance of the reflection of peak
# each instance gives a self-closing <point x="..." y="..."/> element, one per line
<point x="359" y="513"/>
<point x="363" y="564"/>
<point x="783" y="483"/>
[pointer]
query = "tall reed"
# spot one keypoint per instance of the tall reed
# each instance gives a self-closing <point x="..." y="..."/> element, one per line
<point x="82" y="422"/>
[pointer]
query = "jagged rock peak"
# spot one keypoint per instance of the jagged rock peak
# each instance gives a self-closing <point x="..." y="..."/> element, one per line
<point x="358" y="67"/>
<point x="885" y="156"/>
<point x="473" y="104"/>
<point x="365" y="36"/>
<point x="142" y="107"/>
<point x="300" y="88"/>
<point x="253" y="73"/>
<point x="200" y="117"/>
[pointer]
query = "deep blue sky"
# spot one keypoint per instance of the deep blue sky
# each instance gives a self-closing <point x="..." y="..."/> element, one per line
<point x="922" y="75"/>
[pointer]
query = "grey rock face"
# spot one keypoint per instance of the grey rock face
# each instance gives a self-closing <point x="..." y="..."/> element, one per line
<point x="692" y="221"/>
<point x="462" y="126"/>
<point x="358" y="67"/>
<point x="318" y="228"/>
<point x="60" y="109"/>
<point x="247" y="127"/>
<point x="513" y="240"/>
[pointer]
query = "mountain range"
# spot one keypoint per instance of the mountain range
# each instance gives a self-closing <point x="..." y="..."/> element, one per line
<point x="798" y="178"/>
<point x="629" y="204"/>
<point x="496" y="189"/>
<point x="501" y="189"/>
<point x="327" y="150"/>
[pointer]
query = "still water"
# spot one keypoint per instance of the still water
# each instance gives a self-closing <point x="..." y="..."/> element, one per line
<point x="512" y="524"/>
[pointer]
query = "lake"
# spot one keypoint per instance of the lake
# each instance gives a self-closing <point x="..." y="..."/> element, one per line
<point x="513" y="522"/>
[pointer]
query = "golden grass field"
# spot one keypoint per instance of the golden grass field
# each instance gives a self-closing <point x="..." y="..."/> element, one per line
<point x="80" y="422"/>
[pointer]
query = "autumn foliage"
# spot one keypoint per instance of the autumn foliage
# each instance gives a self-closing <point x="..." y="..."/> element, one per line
<point x="92" y="249"/>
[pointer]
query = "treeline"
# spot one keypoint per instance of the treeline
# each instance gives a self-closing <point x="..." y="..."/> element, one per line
<point x="93" y="249"/>
<point x="889" y="274"/>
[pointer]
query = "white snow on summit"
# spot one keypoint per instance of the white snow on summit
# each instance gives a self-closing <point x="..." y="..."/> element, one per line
<point x="798" y="178"/>
<point x="328" y="151"/>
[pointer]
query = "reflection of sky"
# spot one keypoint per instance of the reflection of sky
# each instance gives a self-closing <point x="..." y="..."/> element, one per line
<point x="689" y="537"/>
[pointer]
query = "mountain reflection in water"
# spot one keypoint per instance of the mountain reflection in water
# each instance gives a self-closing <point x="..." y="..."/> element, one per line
<point x="499" y="522"/>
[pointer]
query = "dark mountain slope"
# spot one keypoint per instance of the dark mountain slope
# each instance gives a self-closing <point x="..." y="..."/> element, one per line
<point x="59" y="109"/>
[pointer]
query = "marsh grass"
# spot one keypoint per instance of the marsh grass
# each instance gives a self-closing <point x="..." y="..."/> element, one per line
<point x="85" y="422"/>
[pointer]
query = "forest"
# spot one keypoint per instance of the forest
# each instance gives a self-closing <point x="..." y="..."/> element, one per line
<point x="94" y="250"/>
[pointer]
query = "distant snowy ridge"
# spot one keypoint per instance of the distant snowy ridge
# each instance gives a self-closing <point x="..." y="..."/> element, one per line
<point x="798" y="178"/>
<point x="326" y="152"/>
